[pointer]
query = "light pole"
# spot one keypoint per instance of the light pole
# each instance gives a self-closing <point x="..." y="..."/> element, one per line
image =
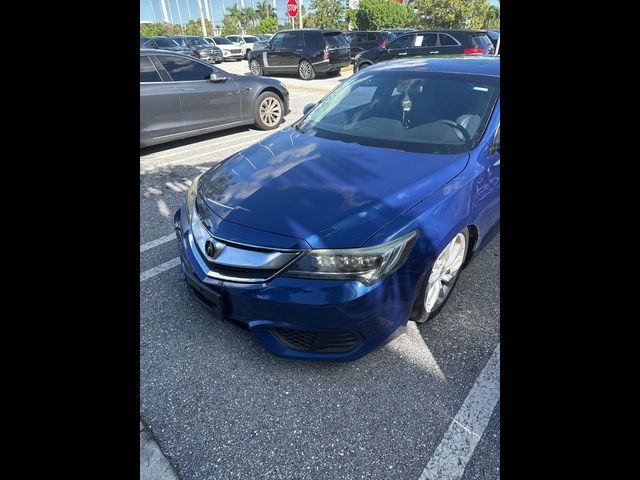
<point x="204" y="26"/>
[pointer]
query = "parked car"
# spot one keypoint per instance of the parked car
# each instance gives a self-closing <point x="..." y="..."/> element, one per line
<point x="182" y="96"/>
<point x="230" y="51"/>
<point x="494" y="36"/>
<point x="245" y="41"/>
<point x="264" y="37"/>
<point x="200" y="47"/>
<point x="427" y="43"/>
<point x="165" y="43"/>
<point x="327" y="236"/>
<point x="360" y="41"/>
<point x="307" y="51"/>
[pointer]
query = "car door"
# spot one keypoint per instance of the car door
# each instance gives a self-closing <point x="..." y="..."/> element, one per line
<point x="291" y="51"/>
<point x="424" y="44"/>
<point x="160" y="111"/>
<point x="205" y="104"/>
<point x="486" y="195"/>
<point x="398" y="48"/>
<point x="271" y="57"/>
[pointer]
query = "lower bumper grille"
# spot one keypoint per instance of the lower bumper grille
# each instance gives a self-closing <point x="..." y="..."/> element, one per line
<point x="323" y="342"/>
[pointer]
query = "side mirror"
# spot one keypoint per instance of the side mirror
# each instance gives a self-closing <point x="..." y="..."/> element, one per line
<point x="307" y="108"/>
<point x="214" y="77"/>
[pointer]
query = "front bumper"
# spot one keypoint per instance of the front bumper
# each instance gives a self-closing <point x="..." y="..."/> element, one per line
<point x="299" y="318"/>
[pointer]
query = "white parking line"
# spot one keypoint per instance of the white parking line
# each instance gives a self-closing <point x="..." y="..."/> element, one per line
<point x="163" y="267"/>
<point x="459" y="441"/>
<point x="155" y="243"/>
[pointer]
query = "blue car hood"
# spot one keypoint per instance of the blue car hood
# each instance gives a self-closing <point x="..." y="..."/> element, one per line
<point x="328" y="193"/>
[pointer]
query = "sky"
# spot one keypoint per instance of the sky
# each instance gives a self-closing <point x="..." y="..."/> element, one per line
<point x="150" y="10"/>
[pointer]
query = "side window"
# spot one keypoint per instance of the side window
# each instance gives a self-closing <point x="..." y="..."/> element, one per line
<point x="148" y="72"/>
<point x="184" y="70"/>
<point x="292" y="40"/>
<point x="372" y="37"/>
<point x="276" y="41"/>
<point x="401" y="42"/>
<point x="447" y="40"/>
<point x="428" y="40"/>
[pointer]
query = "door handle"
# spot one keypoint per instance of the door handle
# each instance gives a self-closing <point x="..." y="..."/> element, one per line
<point x="403" y="53"/>
<point x="298" y="50"/>
<point x="188" y="89"/>
<point x="436" y="51"/>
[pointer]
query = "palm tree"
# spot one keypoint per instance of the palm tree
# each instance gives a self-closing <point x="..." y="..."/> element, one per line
<point x="249" y="15"/>
<point x="265" y="10"/>
<point x="235" y="13"/>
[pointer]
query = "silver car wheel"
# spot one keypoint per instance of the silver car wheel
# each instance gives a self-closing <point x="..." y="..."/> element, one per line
<point x="270" y="111"/>
<point x="444" y="272"/>
<point x="255" y="67"/>
<point x="305" y="69"/>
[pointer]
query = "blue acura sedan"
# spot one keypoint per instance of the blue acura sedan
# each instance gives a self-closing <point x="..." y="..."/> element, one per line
<point x="325" y="237"/>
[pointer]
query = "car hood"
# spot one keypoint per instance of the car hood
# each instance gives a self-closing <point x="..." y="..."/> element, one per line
<point x="328" y="193"/>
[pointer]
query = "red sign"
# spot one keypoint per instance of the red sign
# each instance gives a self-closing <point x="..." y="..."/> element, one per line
<point x="292" y="8"/>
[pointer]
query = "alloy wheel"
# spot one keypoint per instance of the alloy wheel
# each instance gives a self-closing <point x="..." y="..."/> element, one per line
<point x="305" y="70"/>
<point x="255" y="67"/>
<point x="444" y="271"/>
<point x="270" y="111"/>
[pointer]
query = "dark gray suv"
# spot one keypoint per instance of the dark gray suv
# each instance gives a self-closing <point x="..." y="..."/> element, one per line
<point x="182" y="96"/>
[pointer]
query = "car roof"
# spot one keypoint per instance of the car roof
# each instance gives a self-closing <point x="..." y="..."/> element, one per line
<point x="330" y="30"/>
<point x="447" y="30"/>
<point x="477" y="65"/>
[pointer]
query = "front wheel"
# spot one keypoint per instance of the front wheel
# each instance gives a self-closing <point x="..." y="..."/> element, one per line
<point x="441" y="279"/>
<point x="306" y="71"/>
<point x="255" y="67"/>
<point x="269" y="111"/>
<point x="334" y="72"/>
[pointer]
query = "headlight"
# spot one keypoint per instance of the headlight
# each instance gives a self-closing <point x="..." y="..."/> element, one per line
<point x="191" y="196"/>
<point x="367" y="265"/>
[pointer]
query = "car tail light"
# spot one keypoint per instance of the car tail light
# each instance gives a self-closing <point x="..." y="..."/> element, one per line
<point x="326" y="53"/>
<point x="474" y="51"/>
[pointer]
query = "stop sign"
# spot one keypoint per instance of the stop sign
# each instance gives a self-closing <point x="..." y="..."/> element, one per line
<point x="292" y="8"/>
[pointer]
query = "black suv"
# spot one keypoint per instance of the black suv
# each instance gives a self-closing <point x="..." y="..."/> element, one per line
<point x="165" y="43"/>
<point x="360" y="41"/>
<point x="307" y="51"/>
<point x="426" y="43"/>
<point x="200" y="47"/>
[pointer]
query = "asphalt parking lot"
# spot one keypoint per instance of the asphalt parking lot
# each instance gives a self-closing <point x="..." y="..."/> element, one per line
<point x="423" y="406"/>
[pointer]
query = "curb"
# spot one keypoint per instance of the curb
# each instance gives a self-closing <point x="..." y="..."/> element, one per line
<point x="153" y="464"/>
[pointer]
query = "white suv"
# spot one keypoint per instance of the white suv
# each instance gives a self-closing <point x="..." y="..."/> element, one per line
<point x="245" y="41"/>
<point x="230" y="50"/>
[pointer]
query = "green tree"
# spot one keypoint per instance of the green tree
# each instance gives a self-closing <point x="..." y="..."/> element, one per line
<point x="266" y="10"/>
<point x="150" y="29"/>
<point x="230" y="25"/>
<point x="380" y="14"/>
<point x="247" y="16"/>
<point x="451" y="13"/>
<point x="328" y="14"/>
<point x="194" y="27"/>
<point x="267" y="25"/>
<point x="492" y="19"/>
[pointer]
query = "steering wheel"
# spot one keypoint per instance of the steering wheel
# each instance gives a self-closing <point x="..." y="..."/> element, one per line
<point x="459" y="128"/>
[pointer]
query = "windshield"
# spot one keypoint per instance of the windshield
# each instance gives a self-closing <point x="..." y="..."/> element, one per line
<point x="222" y="41"/>
<point x="250" y="39"/>
<point x="166" y="43"/>
<point x="197" y="41"/>
<point x="412" y="111"/>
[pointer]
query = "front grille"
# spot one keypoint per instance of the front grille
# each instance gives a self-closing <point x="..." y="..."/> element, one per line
<point x="235" y="50"/>
<point x="322" y="342"/>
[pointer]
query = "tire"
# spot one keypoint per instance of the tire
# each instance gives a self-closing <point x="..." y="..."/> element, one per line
<point x="421" y="312"/>
<point x="334" y="72"/>
<point x="269" y="111"/>
<point x="255" y="67"/>
<point x="306" y="71"/>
